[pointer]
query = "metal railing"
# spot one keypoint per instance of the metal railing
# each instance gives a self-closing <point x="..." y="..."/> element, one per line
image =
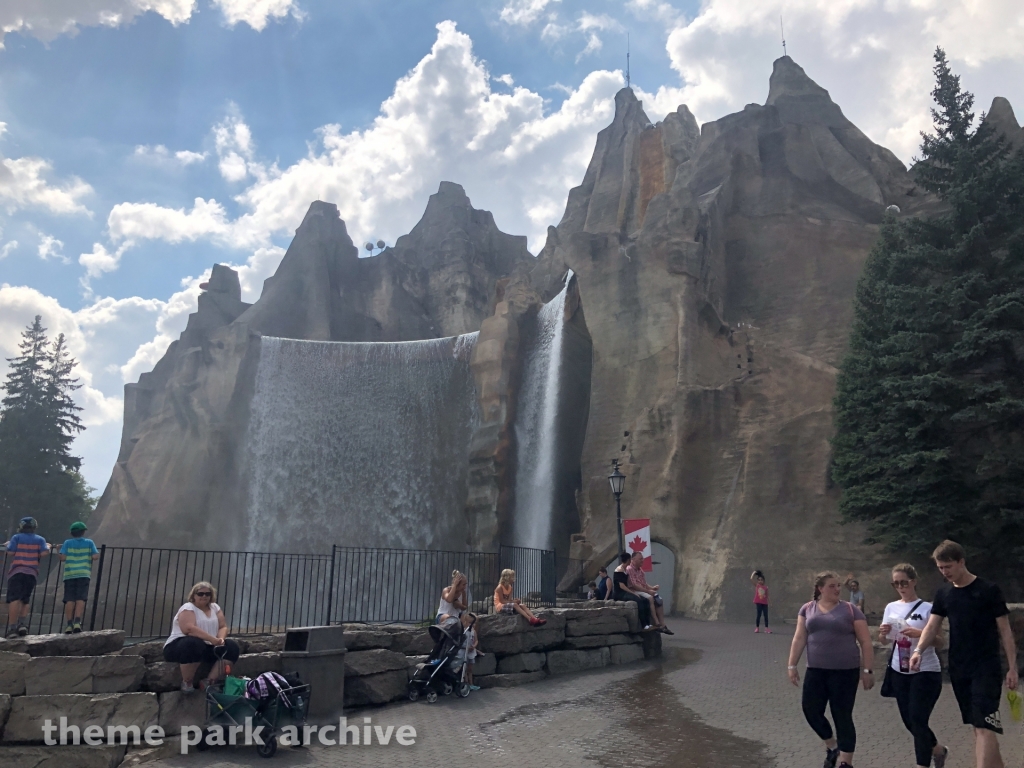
<point x="403" y="585"/>
<point x="139" y="589"/>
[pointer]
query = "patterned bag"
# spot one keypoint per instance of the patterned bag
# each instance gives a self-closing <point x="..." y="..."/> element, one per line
<point x="268" y="686"/>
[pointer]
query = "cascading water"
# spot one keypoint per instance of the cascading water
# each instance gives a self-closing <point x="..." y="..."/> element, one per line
<point x="536" y="429"/>
<point x="360" y="444"/>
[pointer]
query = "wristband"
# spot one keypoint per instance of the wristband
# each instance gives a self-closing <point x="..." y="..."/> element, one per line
<point x="790" y="667"/>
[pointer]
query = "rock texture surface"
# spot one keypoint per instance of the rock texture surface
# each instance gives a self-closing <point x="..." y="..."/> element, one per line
<point x="717" y="267"/>
<point x="179" y="470"/>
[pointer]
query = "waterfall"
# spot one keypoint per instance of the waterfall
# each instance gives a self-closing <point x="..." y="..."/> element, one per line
<point x="536" y="429"/>
<point x="360" y="444"/>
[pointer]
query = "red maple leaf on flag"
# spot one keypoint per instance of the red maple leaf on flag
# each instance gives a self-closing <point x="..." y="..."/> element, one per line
<point x="638" y="544"/>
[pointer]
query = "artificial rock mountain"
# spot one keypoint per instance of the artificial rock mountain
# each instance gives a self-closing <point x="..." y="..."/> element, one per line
<point x="716" y="266"/>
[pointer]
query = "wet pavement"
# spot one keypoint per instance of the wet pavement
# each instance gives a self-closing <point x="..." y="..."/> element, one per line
<point x="719" y="699"/>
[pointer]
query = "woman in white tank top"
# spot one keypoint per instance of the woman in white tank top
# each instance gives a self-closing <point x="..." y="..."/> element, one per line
<point x="453" y="598"/>
<point x="199" y="635"/>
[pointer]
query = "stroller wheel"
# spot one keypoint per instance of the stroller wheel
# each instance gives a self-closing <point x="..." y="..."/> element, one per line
<point x="414" y="693"/>
<point x="268" y="748"/>
<point x="446" y="689"/>
<point x="431" y="697"/>
<point x="462" y="691"/>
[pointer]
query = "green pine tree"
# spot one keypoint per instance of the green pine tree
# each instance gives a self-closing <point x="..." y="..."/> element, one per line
<point x="38" y="423"/>
<point x="930" y="398"/>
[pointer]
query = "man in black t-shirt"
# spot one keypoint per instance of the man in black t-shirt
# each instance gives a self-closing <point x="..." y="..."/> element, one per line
<point x="978" y="622"/>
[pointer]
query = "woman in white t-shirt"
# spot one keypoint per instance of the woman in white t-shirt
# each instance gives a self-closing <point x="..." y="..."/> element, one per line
<point x="916" y="693"/>
<point x="199" y="635"/>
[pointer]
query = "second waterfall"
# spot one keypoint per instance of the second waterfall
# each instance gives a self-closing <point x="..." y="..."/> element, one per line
<point x="536" y="429"/>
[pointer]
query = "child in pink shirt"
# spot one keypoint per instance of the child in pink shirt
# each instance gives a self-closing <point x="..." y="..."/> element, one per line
<point x="760" y="600"/>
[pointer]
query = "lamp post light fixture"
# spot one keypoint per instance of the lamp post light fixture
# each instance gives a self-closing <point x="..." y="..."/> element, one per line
<point x="616" y="479"/>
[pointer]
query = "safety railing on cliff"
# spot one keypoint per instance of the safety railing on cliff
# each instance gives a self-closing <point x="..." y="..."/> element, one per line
<point x="139" y="589"/>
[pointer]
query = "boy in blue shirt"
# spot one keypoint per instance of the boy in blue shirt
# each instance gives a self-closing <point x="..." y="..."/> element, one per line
<point x="77" y="554"/>
<point x="28" y="549"/>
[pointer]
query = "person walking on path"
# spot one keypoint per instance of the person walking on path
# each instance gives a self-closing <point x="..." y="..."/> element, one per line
<point x="77" y="554"/>
<point x="978" y="621"/>
<point x="505" y="603"/>
<point x="760" y="600"/>
<point x="839" y="656"/>
<point x="28" y="550"/>
<point x="916" y="693"/>
<point x="453" y="598"/>
<point x="856" y="593"/>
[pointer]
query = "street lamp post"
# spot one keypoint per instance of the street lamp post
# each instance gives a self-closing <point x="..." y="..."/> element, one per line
<point x="616" y="479"/>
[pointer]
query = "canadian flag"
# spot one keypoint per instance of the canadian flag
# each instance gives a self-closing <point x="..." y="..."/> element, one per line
<point x="637" y="535"/>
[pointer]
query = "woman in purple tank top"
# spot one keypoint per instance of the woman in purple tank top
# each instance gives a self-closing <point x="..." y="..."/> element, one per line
<point x="839" y="656"/>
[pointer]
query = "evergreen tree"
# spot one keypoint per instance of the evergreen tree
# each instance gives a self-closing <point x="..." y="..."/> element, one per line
<point x="930" y="398"/>
<point x="38" y="422"/>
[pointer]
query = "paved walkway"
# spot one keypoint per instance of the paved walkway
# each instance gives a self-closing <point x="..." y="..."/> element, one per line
<point x="719" y="699"/>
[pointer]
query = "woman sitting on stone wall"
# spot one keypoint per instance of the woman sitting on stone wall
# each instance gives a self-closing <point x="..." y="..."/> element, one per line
<point x="453" y="598"/>
<point x="505" y="603"/>
<point x="199" y="636"/>
<point x="622" y="591"/>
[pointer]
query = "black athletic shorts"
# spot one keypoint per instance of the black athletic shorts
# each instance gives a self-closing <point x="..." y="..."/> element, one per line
<point x="20" y="587"/>
<point x="978" y="695"/>
<point x="76" y="589"/>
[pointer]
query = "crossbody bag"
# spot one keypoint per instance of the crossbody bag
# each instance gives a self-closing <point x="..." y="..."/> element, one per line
<point x="887" y="690"/>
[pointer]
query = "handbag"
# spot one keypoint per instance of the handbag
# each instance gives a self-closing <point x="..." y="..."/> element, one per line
<point x="887" y="686"/>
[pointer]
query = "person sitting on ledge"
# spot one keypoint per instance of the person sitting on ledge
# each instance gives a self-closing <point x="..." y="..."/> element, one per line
<point x="622" y="591"/>
<point x="505" y="603"/>
<point x="453" y="598"/>
<point x="638" y="583"/>
<point x="199" y="636"/>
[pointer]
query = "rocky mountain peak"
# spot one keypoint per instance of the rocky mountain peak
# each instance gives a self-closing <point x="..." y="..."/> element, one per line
<point x="789" y="80"/>
<point x="1001" y="117"/>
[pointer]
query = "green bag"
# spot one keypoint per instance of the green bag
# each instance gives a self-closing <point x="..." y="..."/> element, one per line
<point x="234" y="686"/>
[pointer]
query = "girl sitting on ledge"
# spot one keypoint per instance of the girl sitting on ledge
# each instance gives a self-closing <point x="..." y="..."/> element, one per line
<point x="505" y="603"/>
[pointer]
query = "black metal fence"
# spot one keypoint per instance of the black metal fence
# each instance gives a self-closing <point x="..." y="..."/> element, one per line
<point x="139" y="589"/>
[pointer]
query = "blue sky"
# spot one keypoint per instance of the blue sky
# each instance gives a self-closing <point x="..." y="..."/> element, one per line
<point x="144" y="140"/>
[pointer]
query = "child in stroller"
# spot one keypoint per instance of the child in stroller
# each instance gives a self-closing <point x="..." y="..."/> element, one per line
<point x="442" y="672"/>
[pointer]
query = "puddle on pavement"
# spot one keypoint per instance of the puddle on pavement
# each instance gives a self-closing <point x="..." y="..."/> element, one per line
<point x="639" y="721"/>
<point x="659" y="731"/>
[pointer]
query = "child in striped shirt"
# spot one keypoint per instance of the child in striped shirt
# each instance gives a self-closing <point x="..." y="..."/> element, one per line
<point x="77" y="554"/>
<point x="28" y="549"/>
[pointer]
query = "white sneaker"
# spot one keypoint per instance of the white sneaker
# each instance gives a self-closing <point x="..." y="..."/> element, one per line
<point x="187" y="687"/>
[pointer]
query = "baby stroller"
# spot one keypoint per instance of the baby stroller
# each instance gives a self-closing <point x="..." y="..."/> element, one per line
<point x="442" y="672"/>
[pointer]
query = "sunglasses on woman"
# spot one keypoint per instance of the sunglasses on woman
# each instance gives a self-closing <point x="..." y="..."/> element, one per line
<point x="901" y="583"/>
<point x="204" y="594"/>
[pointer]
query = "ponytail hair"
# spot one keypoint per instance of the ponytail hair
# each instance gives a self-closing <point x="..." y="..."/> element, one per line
<point x="821" y="579"/>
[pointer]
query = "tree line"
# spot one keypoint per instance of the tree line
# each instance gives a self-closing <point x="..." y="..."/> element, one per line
<point x="39" y="420"/>
<point x="929" y="439"/>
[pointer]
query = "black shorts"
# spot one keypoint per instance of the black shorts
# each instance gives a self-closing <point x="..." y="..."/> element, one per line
<point x="20" y="587"/>
<point x="978" y="695"/>
<point x="190" y="650"/>
<point x="76" y="589"/>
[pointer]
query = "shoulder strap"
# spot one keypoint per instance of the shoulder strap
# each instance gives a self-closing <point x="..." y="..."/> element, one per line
<point x="913" y="608"/>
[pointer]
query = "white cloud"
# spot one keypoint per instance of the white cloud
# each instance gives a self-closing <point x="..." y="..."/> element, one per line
<point x="8" y="248"/>
<point x="48" y="19"/>
<point x="160" y="154"/>
<point x="442" y="122"/>
<point x="23" y="184"/>
<point x="51" y="248"/>
<point x="603" y="22"/>
<point x="524" y="12"/>
<point x="256" y="13"/>
<point x="505" y="80"/>
<point x="874" y="56"/>
<point x="235" y="148"/>
<point x="100" y="260"/>
<point x="147" y="221"/>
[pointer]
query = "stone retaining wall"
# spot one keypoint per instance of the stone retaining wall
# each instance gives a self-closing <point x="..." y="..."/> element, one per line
<point x="93" y="679"/>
